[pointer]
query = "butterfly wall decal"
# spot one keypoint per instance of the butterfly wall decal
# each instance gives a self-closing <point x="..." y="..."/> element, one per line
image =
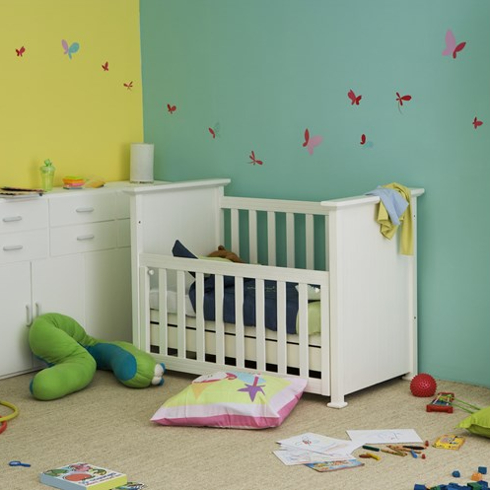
<point x="105" y="66"/>
<point x="477" y="123"/>
<point x="452" y="49"/>
<point x="354" y="99"/>
<point x="20" y="51"/>
<point x="129" y="85"/>
<point x="402" y="98"/>
<point x="214" y="131"/>
<point x="254" y="160"/>
<point x="69" y="49"/>
<point x="365" y="143"/>
<point x="311" y="142"/>
<point x="171" y="108"/>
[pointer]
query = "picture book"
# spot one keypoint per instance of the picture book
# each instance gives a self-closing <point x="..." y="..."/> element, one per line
<point x="336" y="465"/>
<point x="80" y="476"/>
<point x="449" y="441"/>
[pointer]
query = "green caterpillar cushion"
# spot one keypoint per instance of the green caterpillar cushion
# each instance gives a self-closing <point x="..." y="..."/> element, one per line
<point x="73" y="356"/>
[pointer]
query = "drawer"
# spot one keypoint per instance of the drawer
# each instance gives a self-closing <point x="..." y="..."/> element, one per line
<point x="17" y="216"/>
<point x="83" y="238"/>
<point x="124" y="233"/>
<point x="82" y="208"/>
<point x="27" y="245"/>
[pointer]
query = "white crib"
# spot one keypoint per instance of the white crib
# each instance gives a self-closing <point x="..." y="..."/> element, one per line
<point x="367" y="327"/>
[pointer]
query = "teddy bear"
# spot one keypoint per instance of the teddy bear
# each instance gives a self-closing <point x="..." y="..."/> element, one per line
<point x="226" y="254"/>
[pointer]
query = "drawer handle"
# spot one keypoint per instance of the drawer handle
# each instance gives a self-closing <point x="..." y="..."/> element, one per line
<point x="82" y="238"/>
<point x="9" y="219"/>
<point x="85" y="210"/>
<point x="11" y="248"/>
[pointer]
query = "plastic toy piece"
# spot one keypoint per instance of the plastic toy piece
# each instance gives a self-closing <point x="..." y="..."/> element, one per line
<point x="482" y="470"/>
<point x="456" y="474"/>
<point x="418" y="486"/>
<point x="476" y="476"/>
<point x="441" y="403"/>
<point x="423" y="385"/>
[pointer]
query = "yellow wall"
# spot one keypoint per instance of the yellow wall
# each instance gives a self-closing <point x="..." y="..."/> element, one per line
<point x="68" y="110"/>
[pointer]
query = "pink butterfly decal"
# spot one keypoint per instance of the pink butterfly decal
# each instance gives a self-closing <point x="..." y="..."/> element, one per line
<point x="477" y="123"/>
<point x="451" y="47"/>
<point x="311" y="142"/>
<point x="254" y="160"/>
<point x="354" y="99"/>
<point x="105" y="66"/>
<point x="214" y="131"/>
<point x="20" y="51"/>
<point x="402" y="98"/>
<point x="129" y="85"/>
<point x="171" y="108"/>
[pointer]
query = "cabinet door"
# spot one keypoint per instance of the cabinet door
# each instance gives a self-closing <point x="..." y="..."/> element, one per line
<point x="108" y="294"/>
<point x="15" y="303"/>
<point x="58" y="286"/>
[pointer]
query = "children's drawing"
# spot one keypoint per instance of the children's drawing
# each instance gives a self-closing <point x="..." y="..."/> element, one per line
<point x="253" y="160"/>
<point x="452" y="49"/>
<point x="402" y="98"/>
<point x="214" y="131"/>
<point x="354" y="99"/>
<point x="477" y="123"/>
<point x="105" y="66"/>
<point x="311" y="142"/>
<point x="129" y="85"/>
<point x="171" y="108"/>
<point x="69" y="49"/>
<point x="20" y="51"/>
<point x="365" y="143"/>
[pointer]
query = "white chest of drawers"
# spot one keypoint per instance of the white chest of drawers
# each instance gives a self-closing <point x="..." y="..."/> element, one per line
<point x="66" y="252"/>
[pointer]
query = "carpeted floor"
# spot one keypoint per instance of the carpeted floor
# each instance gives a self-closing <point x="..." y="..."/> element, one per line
<point x="108" y="424"/>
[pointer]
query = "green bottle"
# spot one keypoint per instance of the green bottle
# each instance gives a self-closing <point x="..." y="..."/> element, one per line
<point x="47" y="175"/>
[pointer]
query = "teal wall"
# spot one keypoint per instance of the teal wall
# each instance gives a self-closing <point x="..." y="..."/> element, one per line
<point x="260" y="72"/>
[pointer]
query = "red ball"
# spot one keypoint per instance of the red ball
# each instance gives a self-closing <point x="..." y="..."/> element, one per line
<point x="423" y="384"/>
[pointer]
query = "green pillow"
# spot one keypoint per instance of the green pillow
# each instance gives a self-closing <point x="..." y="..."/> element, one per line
<point x="478" y="422"/>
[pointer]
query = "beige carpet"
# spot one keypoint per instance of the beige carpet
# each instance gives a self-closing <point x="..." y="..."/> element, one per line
<point x="108" y="424"/>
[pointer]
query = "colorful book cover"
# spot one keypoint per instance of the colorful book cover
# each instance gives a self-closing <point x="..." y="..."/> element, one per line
<point x="335" y="465"/>
<point x="80" y="476"/>
<point x="449" y="441"/>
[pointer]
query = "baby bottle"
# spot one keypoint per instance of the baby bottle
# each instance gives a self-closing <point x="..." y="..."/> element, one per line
<point x="47" y="175"/>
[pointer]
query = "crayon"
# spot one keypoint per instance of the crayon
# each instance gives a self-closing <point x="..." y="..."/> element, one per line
<point x="370" y="448"/>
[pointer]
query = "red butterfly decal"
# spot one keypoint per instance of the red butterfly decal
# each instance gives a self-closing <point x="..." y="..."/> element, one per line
<point x="352" y="96"/>
<point x="451" y="47"/>
<point x="213" y="134"/>
<point x="105" y="66"/>
<point x="402" y="98"/>
<point x="171" y="108"/>
<point x="363" y="139"/>
<point x="477" y="123"/>
<point x="311" y="143"/>
<point x="307" y="137"/>
<point x="129" y="85"/>
<point x="253" y="160"/>
<point x="20" y="51"/>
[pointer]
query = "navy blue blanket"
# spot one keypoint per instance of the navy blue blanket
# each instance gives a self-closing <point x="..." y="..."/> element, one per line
<point x="249" y="316"/>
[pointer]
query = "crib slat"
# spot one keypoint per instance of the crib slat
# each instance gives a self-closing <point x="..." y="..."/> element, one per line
<point x="220" y="325"/>
<point x="281" y="329"/>
<point x="303" y="330"/>
<point x="310" y="241"/>
<point x="181" y="340"/>
<point x="260" y="324"/>
<point x="235" y="230"/>
<point x="252" y="234"/>
<point x="200" y="332"/>
<point x="162" y="332"/>
<point x="239" y="327"/>
<point x="290" y="240"/>
<point x="271" y="237"/>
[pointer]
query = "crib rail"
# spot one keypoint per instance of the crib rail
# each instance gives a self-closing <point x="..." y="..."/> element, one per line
<point x="289" y="235"/>
<point x="233" y="347"/>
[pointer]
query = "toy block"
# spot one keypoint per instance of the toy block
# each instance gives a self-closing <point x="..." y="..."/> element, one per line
<point x="482" y="470"/>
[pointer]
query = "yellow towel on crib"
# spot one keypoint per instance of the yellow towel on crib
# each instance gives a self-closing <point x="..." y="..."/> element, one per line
<point x="388" y="229"/>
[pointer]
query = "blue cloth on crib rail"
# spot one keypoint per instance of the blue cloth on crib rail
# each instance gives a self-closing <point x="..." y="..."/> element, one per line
<point x="249" y="313"/>
<point x="393" y="201"/>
